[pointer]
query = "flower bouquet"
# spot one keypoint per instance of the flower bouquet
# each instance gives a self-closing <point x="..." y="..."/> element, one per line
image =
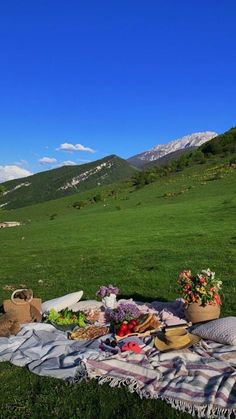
<point x="201" y="295"/>
<point x="108" y="295"/>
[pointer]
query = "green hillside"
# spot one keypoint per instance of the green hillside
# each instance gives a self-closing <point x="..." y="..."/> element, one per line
<point x="63" y="181"/>
<point x="138" y="238"/>
<point x="219" y="149"/>
<point x="224" y="144"/>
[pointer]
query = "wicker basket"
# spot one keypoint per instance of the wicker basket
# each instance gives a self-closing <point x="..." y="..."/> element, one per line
<point x="24" y="311"/>
<point x="197" y="313"/>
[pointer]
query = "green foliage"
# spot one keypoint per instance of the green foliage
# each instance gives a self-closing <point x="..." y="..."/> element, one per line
<point x="79" y="204"/>
<point x="98" y="197"/>
<point x="53" y="216"/>
<point x="222" y="144"/>
<point x="198" y="156"/>
<point x="2" y="189"/>
<point x="144" y="178"/>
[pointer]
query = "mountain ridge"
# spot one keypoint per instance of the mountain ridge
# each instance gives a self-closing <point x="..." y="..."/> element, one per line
<point x="63" y="181"/>
<point x="188" y="141"/>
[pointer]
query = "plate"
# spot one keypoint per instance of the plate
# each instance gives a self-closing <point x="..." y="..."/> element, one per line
<point x="64" y="327"/>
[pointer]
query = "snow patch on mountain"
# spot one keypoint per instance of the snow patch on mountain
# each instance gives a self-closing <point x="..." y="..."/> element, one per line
<point x="194" y="140"/>
<point x="85" y="175"/>
<point x="17" y="187"/>
<point x="3" y="205"/>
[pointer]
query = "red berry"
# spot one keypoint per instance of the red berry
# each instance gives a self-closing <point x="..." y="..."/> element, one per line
<point x="124" y="327"/>
<point x="130" y="328"/>
<point x="120" y="333"/>
<point x="133" y="322"/>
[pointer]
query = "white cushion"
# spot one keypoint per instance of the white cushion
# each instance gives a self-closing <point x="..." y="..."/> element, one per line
<point x="62" y="302"/>
<point x="86" y="305"/>
<point x="221" y="330"/>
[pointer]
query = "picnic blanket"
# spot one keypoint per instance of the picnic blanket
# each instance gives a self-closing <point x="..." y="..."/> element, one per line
<point x="200" y="380"/>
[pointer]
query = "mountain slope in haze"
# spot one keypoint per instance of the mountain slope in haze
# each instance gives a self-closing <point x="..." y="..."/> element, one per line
<point x="188" y="141"/>
<point x="165" y="160"/>
<point x="63" y="181"/>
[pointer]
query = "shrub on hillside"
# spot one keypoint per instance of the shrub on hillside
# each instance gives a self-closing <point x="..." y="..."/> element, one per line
<point x="53" y="216"/>
<point x="79" y="204"/>
<point x="98" y="197"/>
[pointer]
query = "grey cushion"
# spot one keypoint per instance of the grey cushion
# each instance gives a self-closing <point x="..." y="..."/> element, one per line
<point x="221" y="330"/>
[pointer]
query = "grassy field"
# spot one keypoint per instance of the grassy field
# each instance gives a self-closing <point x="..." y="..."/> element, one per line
<point x="138" y="240"/>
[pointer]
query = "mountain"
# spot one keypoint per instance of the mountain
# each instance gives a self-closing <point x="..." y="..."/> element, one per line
<point x="163" y="161"/>
<point x="63" y="181"/>
<point x="188" y="141"/>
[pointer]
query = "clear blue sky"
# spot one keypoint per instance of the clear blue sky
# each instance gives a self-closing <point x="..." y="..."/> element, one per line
<point x="114" y="76"/>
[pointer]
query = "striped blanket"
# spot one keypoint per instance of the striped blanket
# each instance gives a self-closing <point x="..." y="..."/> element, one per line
<point x="200" y="380"/>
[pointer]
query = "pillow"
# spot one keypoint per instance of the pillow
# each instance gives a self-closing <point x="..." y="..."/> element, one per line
<point x="86" y="305"/>
<point x="221" y="330"/>
<point x="62" y="302"/>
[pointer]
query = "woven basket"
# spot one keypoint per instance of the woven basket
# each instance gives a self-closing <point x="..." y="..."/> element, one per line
<point x="22" y="310"/>
<point x="197" y="313"/>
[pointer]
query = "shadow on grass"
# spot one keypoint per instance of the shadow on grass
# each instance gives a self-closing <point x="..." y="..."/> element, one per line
<point x="141" y="298"/>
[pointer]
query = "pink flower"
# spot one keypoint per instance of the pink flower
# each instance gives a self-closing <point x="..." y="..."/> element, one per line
<point x="185" y="275"/>
<point x="202" y="280"/>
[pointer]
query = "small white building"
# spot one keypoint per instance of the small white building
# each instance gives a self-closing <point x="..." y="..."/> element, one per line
<point x="6" y="224"/>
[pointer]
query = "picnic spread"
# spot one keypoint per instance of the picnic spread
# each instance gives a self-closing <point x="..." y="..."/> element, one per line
<point x="151" y="348"/>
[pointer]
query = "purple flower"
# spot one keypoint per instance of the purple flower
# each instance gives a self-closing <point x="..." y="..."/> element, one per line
<point x="113" y="290"/>
<point x="125" y="311"/>
<point x="104" y="291"/>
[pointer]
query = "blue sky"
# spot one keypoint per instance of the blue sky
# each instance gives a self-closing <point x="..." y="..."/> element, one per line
<point x="114" y="77"/>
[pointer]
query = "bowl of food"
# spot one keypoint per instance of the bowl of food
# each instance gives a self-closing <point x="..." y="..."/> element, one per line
<point x="65" y="320"/>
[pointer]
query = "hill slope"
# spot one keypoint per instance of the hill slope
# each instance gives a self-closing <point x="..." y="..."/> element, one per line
<point x="63" y="181"/>
<point x="188" y="141"/>
<point x="223" y="144"/>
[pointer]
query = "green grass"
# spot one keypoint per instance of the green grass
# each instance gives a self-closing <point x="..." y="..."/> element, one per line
<point x="138" y="241"/>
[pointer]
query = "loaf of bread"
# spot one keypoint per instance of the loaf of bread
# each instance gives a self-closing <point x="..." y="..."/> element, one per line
<point x="151" y="322"/>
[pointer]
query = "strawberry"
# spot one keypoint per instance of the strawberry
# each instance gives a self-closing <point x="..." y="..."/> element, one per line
<point x="124" y="327"/>
<point x="130" y="328"/>
<point x="133" y="322"/>
<point x="120" y="333"/>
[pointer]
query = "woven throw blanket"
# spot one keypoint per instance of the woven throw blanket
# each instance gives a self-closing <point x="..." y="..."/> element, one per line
<point x="200" y="380"/>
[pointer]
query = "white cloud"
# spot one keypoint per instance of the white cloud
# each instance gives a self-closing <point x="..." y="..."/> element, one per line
<point x="21" y="163"/>
<point x="47" y="160"/>
<point x="11" y="172"/>
<point x="68" y="163"/>
<point x="74" y="147"/>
